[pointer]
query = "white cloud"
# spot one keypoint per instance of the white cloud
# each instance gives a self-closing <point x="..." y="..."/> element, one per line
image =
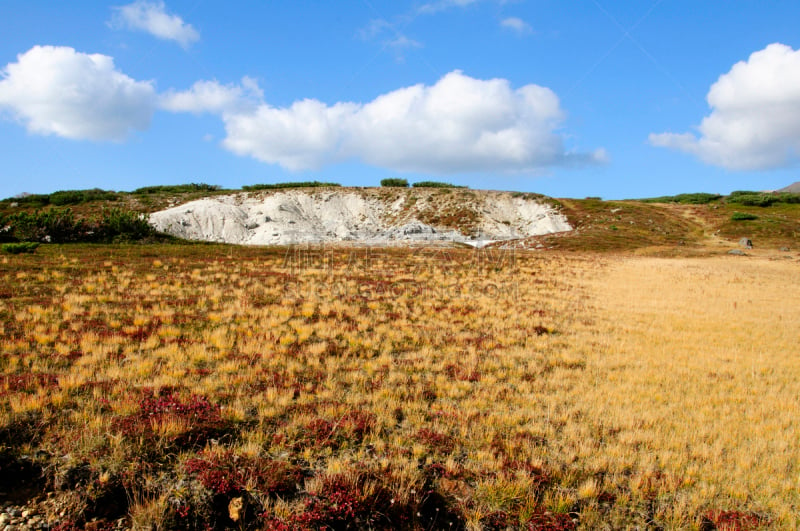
<point x="212" y="97"/>
<point x="402" y="42"/>
<point x="441" y="5"/>
<point x="516" y="24"/>
<point x="152" y="17"/>
<point x="460" y="124"/>
<point x="755" y="115"/>
<point x="56" y="90"/>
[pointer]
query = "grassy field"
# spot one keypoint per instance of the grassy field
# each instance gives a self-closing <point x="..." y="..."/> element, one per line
<point x="205" y="386"/>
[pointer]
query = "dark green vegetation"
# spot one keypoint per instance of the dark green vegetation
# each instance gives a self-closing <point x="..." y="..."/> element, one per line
<point x="177" y="188"/>
<point x="19" y="248"/>
<point x="685" y="199"/>
<point x="395" y="183"/>
<point x="280" y="186"/>
<point x="743" y="216"/>
<point x="64" y="197"/>
<point x="62" y="226"/>
<point x="761" y="199"/>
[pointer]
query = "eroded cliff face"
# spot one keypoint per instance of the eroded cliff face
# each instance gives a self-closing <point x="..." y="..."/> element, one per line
<point x="369" y="216"/>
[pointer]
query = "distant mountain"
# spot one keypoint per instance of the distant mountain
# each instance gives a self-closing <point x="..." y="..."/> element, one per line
<point x="792" y="188"/>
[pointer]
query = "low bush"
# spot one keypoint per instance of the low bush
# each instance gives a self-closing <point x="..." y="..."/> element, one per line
<point x="753" y="199"/>
<point x="75" y="197"/>
<point x="19" y="248"/>
<point x="123" y="225"/>
<point x="686" y="199"/>
<point x="64" y="197"/>
<point x="394" y="182"/>
<point x="743" y="216"/>
<point x="61" y="226"/>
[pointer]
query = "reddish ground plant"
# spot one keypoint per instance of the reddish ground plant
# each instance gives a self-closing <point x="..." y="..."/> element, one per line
<point x="200" y="418"/>
<point x="26" y="383"/>
<point x="733" y="521"/>
<point x="346" y="503"/>
<point x="547" y="521"/>
<point x="455" y="372"/>
<point x="440" y="442"/>
<point x="230" y="474"/>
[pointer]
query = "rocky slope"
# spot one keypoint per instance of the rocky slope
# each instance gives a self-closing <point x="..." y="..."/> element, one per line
<point x="363" y="215"/>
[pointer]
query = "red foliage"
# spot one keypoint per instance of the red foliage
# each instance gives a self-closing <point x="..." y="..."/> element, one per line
<point x="229" y="474"/>
<point x="28" y="382"/>
<point x="547" y="521"/>
<point x="437" y="441"/>
<point x="203" y="418"/>
<point x="455" y="372"/>
<point x="734" y="521"/>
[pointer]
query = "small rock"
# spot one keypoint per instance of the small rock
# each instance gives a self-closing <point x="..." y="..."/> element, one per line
<point x="785" y="249"/>
<point x="737" y="252"/>
<point x="747" y="243"/>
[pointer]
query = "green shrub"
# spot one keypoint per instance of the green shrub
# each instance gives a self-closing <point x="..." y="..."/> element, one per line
<point x="743" y="216"/>
<point x="61" y="226"/>
<point x="686" y="199"/>
<point x="276" y="186"/>
<point x="36" y="200"/>
<point x="74" y="197"/>
<point x="394" y="182"/>
<point x="790" y="198"/>
<point x="528" y="196"/>
<point x="753" y="199"/>
<point x="123" y="225"/>
<point x="433" y="184"/>
<point x="57" y="226"/>
<point x="21" y="247"/>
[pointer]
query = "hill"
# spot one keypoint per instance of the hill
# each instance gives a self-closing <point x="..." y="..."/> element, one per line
<point x="367" y="215"/>
<point x="321" y="212"/>
<point x="793" y="188"/>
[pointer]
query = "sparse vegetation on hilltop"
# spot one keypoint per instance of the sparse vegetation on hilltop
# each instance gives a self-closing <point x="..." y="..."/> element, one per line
<point x="279" y="186"/>
<point x="177" y="188"/>
<point x="686" y="199"/>
<point x="435" y="184"/>
<point x="394" y="183"/>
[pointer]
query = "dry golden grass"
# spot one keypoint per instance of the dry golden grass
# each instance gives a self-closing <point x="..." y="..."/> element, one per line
<point x="699" y="380"/>
<point x="481" y="388"/>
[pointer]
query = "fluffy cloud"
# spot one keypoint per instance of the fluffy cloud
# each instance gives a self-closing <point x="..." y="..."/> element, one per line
<point x="516" y="24"/>
<point x="152" y="17"/>
<point x="212" y="97"/>
<point x="56" y="90"/>
<point x="460" y="124"/>
<point x="755" y="115"/>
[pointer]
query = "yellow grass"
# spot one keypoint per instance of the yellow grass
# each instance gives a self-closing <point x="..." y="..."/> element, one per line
<point x="626" y="391"/>
<point x="698" y="376"/>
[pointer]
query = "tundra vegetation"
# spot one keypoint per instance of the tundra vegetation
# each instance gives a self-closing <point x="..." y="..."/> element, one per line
<point x="208" y="386"/>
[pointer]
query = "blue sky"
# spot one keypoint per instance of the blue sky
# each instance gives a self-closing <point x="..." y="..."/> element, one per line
<point x="576" y="98"/>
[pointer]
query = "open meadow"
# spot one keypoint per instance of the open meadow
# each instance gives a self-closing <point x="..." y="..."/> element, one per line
<point x="211" y="387"/>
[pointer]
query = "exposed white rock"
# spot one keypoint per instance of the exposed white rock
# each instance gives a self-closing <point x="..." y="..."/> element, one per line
<point x="357" y="215"/>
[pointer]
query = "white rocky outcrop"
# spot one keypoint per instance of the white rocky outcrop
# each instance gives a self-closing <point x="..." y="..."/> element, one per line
<point x="358" y="215"/>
